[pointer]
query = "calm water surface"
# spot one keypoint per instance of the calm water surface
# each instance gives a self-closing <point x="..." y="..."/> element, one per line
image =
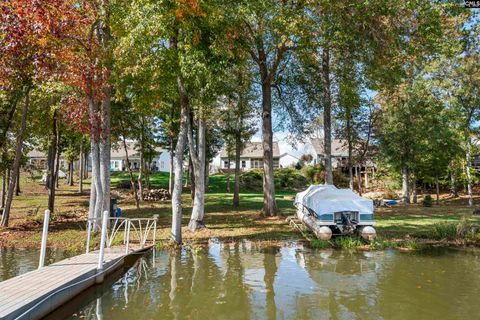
<point x="14" y="262"/>
<point x="245" y="281"/>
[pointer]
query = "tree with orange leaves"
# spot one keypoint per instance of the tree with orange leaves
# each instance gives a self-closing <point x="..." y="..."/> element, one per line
<point x="30" y="44"/>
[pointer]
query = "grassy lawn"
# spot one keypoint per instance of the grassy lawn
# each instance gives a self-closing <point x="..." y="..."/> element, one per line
<point x="67" y="228"/>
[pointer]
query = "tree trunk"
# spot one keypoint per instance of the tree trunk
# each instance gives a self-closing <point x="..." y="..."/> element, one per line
<point x="437" y="188"/>
<point x="228" y="174"/>
<point x="350" y="152"/>
<point x="469" y="175"/>
<point x="8" y="122"/>
<point x="57" y="164"/>
<point x="70" y="174"/>
<point x="327" y="110"/>
<point x="81" y="168"/>
<point x="16" y="162"/>
<point x="130" y="172"/>
<point x="105" y="147"/>
<point x="414" y="187"/>
<point x="140" y="170"/>
<point x="236" y="186"/>
<point x="192" y="178"/>
<point x="359" y="180"/>
<point x="178" y="160"/>
<point x="17" y="184"/>
<point x="170" y="178"/>
<point x="198" y="158"/>
<point x="85" y="163"/>
<point x="4" y="189"/>
<point x="269" y="202"/>
<point x="406" y="194"/>
<point x="52" y="156"/>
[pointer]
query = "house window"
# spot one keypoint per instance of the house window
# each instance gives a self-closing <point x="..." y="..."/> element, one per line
<point x="257" y="163"/>
<point x="244" y="164"/>
<point x="225" y="164"/>
<point x="162" y="164"/>
<point x="275" y="164"/>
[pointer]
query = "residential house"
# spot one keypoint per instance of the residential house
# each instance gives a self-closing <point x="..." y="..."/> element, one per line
<point x="340" y="158"/>
<point x="288" y="160"/>
<point x="118" y="159"/>
<point x="160" y="162"/>
<point x="251" y="157"/>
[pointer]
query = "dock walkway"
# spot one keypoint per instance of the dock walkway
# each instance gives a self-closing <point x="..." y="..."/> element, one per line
<point x="37" y="293"/>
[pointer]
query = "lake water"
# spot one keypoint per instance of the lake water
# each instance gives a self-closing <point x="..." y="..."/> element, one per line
<point x="246" y="281"/>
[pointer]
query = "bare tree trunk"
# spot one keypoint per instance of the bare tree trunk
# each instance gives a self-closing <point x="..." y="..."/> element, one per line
<point x="350" y="152"/>
<point x="85" y="163"/>
<point x="359" y="180"/>
<point x="170" y="178"/>
<point x="4" y="187"/>
<point x="17" y="184"/>
<point x="57" y="164"/>
<point x="469" y="175"/>
<point x="70" y="174"/>
<point x="236" y="186"/>
<point x="414" y="187"/>
<point x="269" y="202"/>
<point x="52" y="155"/>
<point x="192" y="177"/>
<point x="16" y="162"/>
<point x="406" y="194"/>
<point x="198" y="158"/>
<point x="437" y="188"/>
<point x="9" y="119"/>
<point x="178" y="159"/>
<point x="130" y="172"/>
<point x="105" y="147"/>
<point x="81" y="168"/>
<point x="327" y="120"/>
<point x="228" y="174"/>
<point x="141" y="169"/>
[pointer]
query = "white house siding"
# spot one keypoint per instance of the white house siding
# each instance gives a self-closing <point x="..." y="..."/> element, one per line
<point x="287" y="160"/>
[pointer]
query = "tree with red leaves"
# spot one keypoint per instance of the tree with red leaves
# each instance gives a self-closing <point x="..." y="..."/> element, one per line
<point x="30" y="44"/>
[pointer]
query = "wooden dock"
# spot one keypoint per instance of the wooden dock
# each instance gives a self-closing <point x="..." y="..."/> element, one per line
<point x="37" y="293"/>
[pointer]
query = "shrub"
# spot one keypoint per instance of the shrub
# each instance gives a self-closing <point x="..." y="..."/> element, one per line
<point x="466" y="229"/>
<point x="285" y="178"/>
<point x="289" y="178"/>
<point x="445" y="231"/>
<point x="346" y="242"/>
<point x="125" y="184"/>
<point x="320" y="244"/>
<point x="252" y="179"/>
<point x="427" y="201"/>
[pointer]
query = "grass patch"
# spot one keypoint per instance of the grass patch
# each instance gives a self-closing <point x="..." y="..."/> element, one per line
<point x="320" y="244"/>
<point x="348" y="242"/>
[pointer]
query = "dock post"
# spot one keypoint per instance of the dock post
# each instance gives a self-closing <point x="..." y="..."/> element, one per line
<point x="103" y="237"/>
<point x="43" y="247"/>
<point x="89" y="228"/>
<point x="127" y="226"/>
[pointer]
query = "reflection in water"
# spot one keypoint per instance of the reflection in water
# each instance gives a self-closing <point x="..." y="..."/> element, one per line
<point x="243" y="281"/>
<point x="14" y="262"/>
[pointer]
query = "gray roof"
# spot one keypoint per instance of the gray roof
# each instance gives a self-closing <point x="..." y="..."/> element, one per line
<point x="253" y="150"/>
<point x="339" y="147"/>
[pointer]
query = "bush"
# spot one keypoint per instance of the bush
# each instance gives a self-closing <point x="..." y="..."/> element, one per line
<point x="289" y="178"/>
<point x="320" y="244"/>
<point x="314" y="174"/>
<point x="125" y="184"/>
<point x="347" y="242"/>
<point x="445" y="231"/>
<point x="427" y="201"/>
<point x="252" y="179"/>
<point x="285" y="178"/>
